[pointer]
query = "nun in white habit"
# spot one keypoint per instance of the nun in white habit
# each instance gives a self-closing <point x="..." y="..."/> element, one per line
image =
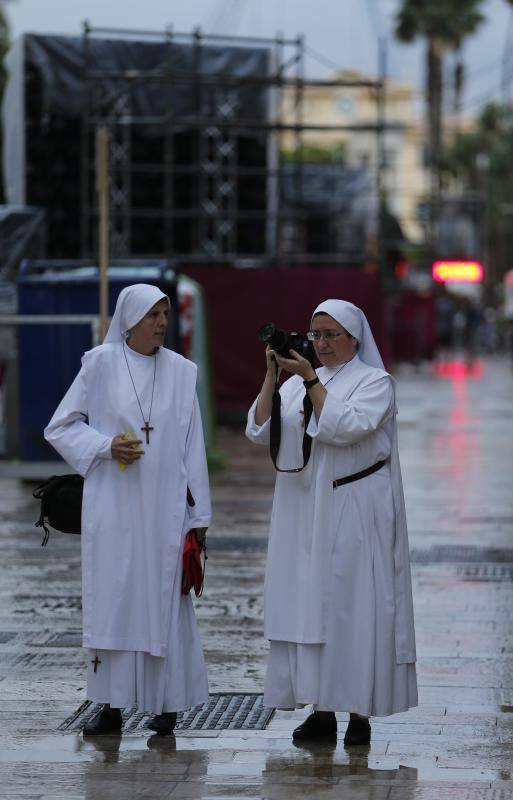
<point x="338" y="602"/>
<point x="130" y="425"/>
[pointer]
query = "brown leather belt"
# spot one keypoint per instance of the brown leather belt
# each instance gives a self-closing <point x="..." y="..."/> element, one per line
<point x="357" y="475"/>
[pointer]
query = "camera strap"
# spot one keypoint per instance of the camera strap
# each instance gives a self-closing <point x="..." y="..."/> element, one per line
<point x="275" y="429"/>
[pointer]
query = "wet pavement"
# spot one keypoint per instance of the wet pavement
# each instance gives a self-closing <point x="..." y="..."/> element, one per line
<point x="456" y="435"/>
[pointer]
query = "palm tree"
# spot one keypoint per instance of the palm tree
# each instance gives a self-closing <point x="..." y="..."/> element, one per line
<point x="444" y="26"/>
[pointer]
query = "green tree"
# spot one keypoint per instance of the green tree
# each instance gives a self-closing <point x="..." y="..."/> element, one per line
<point x="480" y="163"/>
<point x="444" y="26"/>
<point x="316" y="154"/>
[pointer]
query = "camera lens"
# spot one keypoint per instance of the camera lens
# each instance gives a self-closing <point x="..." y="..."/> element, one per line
<point x="272" y="335"/>
<point x="266" y="332"/>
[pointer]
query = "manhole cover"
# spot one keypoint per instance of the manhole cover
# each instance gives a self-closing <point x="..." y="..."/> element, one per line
<point x="221" y="712"/>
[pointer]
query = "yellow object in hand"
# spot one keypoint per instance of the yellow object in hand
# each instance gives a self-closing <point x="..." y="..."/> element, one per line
<point x="128" y="437"/>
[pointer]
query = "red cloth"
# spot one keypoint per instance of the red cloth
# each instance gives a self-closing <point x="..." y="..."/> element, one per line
<point x="193" y="569"/>
<point x="239" y="301"/>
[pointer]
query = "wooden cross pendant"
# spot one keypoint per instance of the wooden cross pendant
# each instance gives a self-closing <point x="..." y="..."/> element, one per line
<point x="96" y="662"/>
<point x="147" y="428"/>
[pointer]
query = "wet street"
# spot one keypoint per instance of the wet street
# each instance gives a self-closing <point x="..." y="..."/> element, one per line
<point x="456" y="444"/>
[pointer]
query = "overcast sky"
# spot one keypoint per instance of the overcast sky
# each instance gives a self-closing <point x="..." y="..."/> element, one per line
<point x="342" y="32"/>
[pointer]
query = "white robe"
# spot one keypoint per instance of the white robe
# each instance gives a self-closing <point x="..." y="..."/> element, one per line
<point x="134" y="522"/>
<point x="338" y="606"/>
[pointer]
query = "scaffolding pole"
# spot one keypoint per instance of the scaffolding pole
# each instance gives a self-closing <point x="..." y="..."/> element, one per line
<point x="212" y="211"/>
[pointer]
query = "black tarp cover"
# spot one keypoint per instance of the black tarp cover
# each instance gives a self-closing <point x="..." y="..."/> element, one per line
<point x="61" y="62"/>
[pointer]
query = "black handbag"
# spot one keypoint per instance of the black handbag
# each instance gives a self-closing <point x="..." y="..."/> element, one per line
<point x="61" y="504"/>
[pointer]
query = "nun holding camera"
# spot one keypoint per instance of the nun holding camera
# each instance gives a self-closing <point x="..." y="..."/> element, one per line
<point x="338" y="601"/>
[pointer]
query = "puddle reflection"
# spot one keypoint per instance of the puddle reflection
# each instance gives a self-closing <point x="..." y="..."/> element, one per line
<point x="328" y="764"/>
<point x="149" y="772"/>
<point x="456" y="451"/>
<point x="155" y="765"/>
<point x="108" y="746"/>
<point x="162" y="744"/>
<point x="458" y="369"/>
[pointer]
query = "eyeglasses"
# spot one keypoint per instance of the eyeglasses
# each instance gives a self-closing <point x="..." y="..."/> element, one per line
<point x="315" y="336"/>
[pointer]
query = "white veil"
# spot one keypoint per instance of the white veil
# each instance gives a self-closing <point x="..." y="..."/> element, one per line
<point x="355" y="322"/>
<point x="132" y="304"/>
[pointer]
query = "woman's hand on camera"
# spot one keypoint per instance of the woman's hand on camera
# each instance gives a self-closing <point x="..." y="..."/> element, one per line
<point x="271" y="360"/>
<point x="297" y="365"/>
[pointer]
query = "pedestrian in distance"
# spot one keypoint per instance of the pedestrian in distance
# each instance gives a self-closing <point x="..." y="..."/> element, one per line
<point x="338" y="602"/>
<point x="130" y="425"/>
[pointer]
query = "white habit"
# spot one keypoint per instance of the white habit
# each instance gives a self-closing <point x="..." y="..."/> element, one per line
<point x="134" y="521"/>
<point x="338" y="607"/>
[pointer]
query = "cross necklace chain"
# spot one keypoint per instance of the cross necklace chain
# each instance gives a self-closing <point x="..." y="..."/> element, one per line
<point x="146" y="427"/>
<point x="324" y="384"/>
<point x="336" y="373"/>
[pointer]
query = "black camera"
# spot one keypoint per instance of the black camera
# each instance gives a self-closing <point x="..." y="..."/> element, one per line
<point x="282" y="342"/>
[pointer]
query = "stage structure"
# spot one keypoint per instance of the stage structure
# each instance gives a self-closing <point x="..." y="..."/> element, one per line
<point x="196" y="137"/>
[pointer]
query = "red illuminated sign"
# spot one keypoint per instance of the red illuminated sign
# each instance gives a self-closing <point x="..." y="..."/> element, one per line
<point x="458" y="271"/>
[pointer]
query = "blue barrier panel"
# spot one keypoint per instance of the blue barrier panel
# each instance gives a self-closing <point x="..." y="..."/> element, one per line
<point x="49" y="355"/>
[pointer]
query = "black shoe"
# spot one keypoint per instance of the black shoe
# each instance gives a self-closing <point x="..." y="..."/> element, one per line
<point x="358" y="732"/>
<point x="314" y="727"/>
<point x="164" y="724"/>
<point x="108" y="720"/>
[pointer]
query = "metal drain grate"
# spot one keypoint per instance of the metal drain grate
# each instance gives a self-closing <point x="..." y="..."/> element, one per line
<point x="221" y="712"/>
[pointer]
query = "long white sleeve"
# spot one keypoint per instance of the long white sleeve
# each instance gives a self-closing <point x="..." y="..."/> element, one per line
<point x="76" y="441"/>
<point x="258" y="434"/>
<point x="346" y="422"/>
<point x="261" y="434"/>
<point x="197" y="471"/>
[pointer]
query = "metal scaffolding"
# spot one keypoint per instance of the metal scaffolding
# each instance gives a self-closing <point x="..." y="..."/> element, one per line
<point x="218" y="220"/>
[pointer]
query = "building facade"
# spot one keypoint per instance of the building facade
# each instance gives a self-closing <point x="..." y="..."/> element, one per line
<point x="405" y="175"/>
